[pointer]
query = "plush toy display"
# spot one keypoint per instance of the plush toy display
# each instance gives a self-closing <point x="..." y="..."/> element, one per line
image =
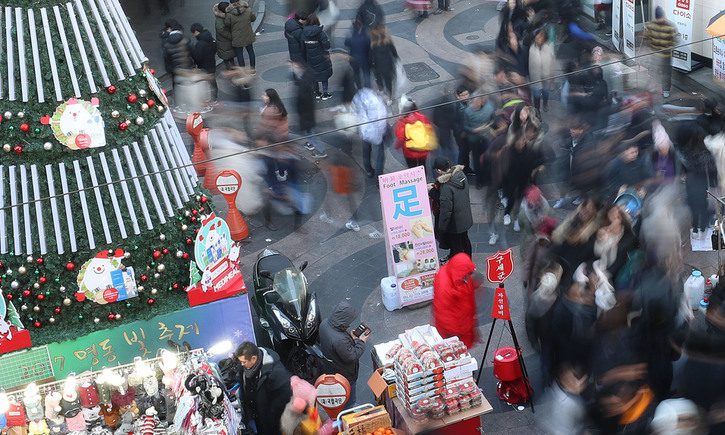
<point x="32" y="401"/>
<point x="126" y="426"/>
<point x="149" y="422"/>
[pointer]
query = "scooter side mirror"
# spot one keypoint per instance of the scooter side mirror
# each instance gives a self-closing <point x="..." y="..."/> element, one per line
<point x="265" y="274"/>
<point x="303" y="266"/>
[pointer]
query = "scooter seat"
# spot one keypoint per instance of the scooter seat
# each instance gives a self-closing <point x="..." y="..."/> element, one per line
<point x="273" y="263"/>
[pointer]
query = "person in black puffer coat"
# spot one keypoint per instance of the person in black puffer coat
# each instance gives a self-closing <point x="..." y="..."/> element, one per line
<point x="175" y="47"/>
<point x="455" y="217"/>
<point x="383" y="57"/>
<point x="203" y="52"/>
<point x="370" y="14"/>
<point x="317" y="49"/>
<point x="295" y="40"/>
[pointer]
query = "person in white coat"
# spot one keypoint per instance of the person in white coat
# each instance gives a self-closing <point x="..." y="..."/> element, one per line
<point x="541" y="68"/>
<point x="372" y="112"/>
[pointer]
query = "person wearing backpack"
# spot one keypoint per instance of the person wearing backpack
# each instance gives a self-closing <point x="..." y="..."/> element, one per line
<point x="415" y="135"/>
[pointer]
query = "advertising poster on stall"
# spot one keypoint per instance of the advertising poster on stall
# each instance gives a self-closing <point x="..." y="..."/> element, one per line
<point x="616" y="23"/>
<point x="718" y="60"/>
<point x="410" y="246"/>
<point x="681" y="13"/>
<point x="629" y="30"/>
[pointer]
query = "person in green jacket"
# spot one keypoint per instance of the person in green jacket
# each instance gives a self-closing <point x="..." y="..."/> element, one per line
<point x="239" y="19"/>
<point x="224" y="48"/>
<point x="661" y="36"/>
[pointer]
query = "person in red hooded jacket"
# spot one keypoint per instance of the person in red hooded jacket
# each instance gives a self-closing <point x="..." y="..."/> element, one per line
<point x="454" y="304"/>
<point x="413" y="157"/>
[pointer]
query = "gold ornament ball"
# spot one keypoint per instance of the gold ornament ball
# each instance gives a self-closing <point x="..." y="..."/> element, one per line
<point x="140" y="288"/>
<point x="184" y="227"/>
<point x="118" y="316"/>
<point x="24" y="307"/>
<point x="144" y="107"/>
<point x="115" y="114"/>
<point x="142" y="92"/>
<point x="29" y="259"/>
<point x="187" y="213"/>
<point x="161" y="267"/>
<point x="162" y="237"/>
<point x="154" y="291"/>
<point x="51" y="320"/>
<point x="7" y="148"/>
<point x="22" y="270"/>
<point x="21" y="114"/>
<point x="198" y="197"/>
<point x="96" y="320"/>
<point x="179" y="254"/>
<point x="126" y="254"/>
<point x="61" y="288"/>
<point x="66" y="302"/>
<point x="14" y="285"/>
<point x="9" y="272"/>
<point x="47" y="146"/>
<point x="160" y="108"/>
<point x="36" y="308"/>
<point x="8" y="115"/>
<point x="139" y="121"/>
<point x="157" y="275"/>
<point x="36" y="286"/>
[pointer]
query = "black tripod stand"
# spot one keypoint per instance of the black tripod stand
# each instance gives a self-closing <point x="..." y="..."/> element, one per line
<point x="503" y="314"/>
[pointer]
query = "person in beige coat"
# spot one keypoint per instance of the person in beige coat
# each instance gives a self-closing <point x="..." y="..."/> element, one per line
<point x="541" y="68"/>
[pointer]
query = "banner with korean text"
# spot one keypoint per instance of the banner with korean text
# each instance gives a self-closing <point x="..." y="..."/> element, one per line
<point x="681" y="14"/>
<point x="629" y="29"/>
<point x="410" y="245"/>
<point x="617" y="24"/>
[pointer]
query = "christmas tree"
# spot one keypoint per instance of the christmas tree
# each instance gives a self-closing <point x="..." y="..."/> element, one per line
<point x="99" y="205"/>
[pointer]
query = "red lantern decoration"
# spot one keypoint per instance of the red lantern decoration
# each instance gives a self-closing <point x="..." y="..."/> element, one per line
<point x="111" y="89"/>
<point x="70" y="266"/>
<point x="40" y="297"/>
<point x="132" y="98"/>
<point x="39" y="261"/>
<point x="18" y="149"/>
<point x="24" y="127"/>
<point x="156" y="254"/>
<point x="37" y="324"/>
<point x="56" y="310"/>
<point x="26" y="293"/>
<point x="151" y="102"/>
<point x="150" y="301"/>
<point x="42" y="280"/>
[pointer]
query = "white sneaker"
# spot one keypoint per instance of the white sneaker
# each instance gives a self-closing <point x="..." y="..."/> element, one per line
<point x="506" y="219"/>
<point x="352" y="225"/>
<point x="578" y="200"/>
<point x="325" y="218"/>
<point x="559" y="203"/>
<point x="666" y="94"/>
<point x="517" y="227"/>
<point x="493" y="239"/>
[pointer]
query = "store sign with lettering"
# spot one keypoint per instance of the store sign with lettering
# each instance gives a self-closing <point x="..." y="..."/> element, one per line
<point x="682" y="13"/>
<point x="201" y="326"/>
<point x="410" y="245"/>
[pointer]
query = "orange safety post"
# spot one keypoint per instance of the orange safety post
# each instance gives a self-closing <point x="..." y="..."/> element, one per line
<point x="228" y="182"/>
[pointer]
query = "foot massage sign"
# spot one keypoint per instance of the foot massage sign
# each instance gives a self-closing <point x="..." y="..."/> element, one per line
<point x="410" y="245"/>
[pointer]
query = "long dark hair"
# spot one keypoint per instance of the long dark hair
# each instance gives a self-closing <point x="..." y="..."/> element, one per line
<point x="276" y="101"/>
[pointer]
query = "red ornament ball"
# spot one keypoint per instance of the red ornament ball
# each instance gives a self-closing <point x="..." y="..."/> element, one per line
<point x="175" y="286"/>
<point x="151" y="102"/>
<point x="70" y="266"/>
<point x="144" y="278"/>
<point x="39" y="261"/>
<point x="40" y="297"/>
<point x="42" y="280"/>
<point x="111" y="317"/>
<point x="2" y="265"/>
<point x="204" y="198"/>
<point x="9" y="296"/>
<point x="24" y="127"/>
<point x="185" y="256"/>
<point x="156" y="254"/>
<point x="189" y="241"/>
<point x="165" y="251"/>
<point x="123" y="126"/>
<point x="37" y="324"/>
<point x="18" y="149"/>
<point x="150" y="301"/>
<point x="56" y="310"/>
<point x="153" y="71"/>
<point x="132" y="98"/>
<point x="193" y="219"/>
<point x="26" y="293"/>
<point x="194" y="212"/>
<point x="111" y="89"/>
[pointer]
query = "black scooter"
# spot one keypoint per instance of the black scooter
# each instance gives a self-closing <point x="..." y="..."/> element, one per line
<point x="288" y="313"/>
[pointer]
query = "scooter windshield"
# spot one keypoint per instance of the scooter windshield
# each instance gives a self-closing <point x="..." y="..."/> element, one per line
<point x="291" y="286"/>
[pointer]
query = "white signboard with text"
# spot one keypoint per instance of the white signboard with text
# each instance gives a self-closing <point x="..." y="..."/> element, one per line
<point x="629" y="31"/>
<point x="680" y="14"/>
<point x="616" y="24"/>
<point x="718" y="60"/>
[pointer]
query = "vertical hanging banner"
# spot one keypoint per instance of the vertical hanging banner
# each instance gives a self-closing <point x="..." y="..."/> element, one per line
<point x="617" y="24"/>
<point x="718" y="60"/>
<point x="410" y="245"/>
<point x="629" y="31"/>
<point x="681" y="13"/>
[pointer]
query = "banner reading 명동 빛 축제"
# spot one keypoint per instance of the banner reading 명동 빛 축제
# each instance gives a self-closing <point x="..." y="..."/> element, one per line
<point x="410" y="245"/>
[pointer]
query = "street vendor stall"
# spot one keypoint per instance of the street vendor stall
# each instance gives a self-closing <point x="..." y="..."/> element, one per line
<point x="425" y="383"/>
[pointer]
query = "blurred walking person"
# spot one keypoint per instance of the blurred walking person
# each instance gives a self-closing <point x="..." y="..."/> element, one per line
<point x="370" y="14"/>
<point x="661" y="35"/>
<point x="415" y="135"/>
<point x="203" y="52"/>
<point x="358" y="43"/>
<point x="383" y="56"/>
<point x="448" y="119"/>
<point x="239" y="19"/>
<point x="305" y="106"/>
<point x="454" y="302"/>
<point x="224" y="48"/>
<point x="175" y="47"/>
<point x="295" y="41"/>
<point x="372" y="113"/>
<point x="274" y="116"/>
<point x="317" y="53"/>
<point x="541" y="67"/>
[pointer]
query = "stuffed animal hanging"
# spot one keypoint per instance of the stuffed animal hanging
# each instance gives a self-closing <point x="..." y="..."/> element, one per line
<point x="126" y="426"/>
<point x="149" y="423"/>
<point x="33" y="403"/>
<point x="38" y="427"/>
